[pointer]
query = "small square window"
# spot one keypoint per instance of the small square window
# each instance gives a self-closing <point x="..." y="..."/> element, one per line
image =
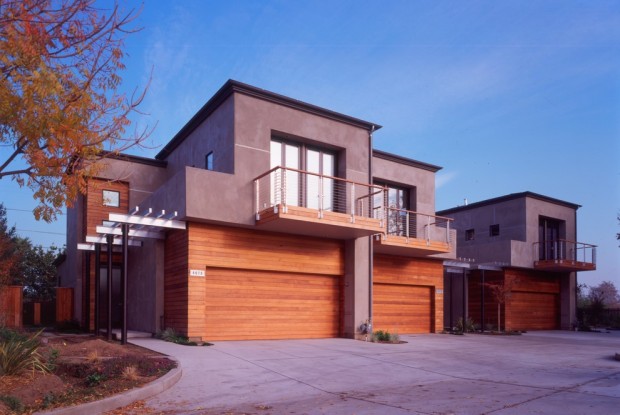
<point x="494" y="230"/>
<point x="111" y="198"/>
<point x="470" y="235"/>
<point x="209" y="161"/>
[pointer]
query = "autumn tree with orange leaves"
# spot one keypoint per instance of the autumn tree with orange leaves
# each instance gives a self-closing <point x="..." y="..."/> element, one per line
<point x="60" y="110"/>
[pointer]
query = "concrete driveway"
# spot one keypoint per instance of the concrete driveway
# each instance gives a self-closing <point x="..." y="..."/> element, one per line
<point x="536" y="373"/>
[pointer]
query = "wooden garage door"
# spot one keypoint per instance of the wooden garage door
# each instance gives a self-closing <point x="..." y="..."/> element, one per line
<point x="402" y="308"/>
<point x="533" y="311"/>
<point x="246" y="304"/>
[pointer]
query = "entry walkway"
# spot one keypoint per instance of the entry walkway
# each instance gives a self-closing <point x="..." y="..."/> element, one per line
<point x="539" y="372"/>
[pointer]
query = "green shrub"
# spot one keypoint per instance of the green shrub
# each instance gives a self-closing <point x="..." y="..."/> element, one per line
<point x="94" y="379"/>
<point x="465" y="327"/>
<point x="52" y="360"/>
<point x="19" y="353"/>
<point x="170" y="335"/>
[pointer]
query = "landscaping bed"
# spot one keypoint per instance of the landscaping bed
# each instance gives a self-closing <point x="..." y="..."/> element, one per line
<point x="79" y="369"/>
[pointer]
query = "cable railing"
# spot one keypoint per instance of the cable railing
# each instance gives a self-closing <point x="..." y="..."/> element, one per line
<point x="409" y="224"/>
<point x="288" y="187"/>
<point x="562" y="249"/>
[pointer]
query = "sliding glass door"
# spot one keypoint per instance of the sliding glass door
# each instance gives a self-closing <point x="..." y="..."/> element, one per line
<point x="302" y="189"/>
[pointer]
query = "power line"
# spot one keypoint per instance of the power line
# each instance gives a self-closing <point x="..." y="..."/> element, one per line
<point x="30" y="230"/>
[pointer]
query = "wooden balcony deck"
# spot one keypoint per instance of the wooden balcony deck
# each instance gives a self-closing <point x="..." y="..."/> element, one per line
<point x="564" y="265"/>
<point x="400" y="245"/>
<point x="307" y="221"/>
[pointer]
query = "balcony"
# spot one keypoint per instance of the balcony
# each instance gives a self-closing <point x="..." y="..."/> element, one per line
<point x="414" y="234"/>
<point x="295" y="201"/>
<point x="564" y="256"/>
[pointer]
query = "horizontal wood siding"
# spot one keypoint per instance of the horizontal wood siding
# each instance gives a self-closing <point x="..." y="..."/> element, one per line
<point x="533" y="311"/>
<point x="263" y="285"/>
<point x="402" y="308"/>
<point x="407" y="294"/>
<point x="176" y="287"/>
<point x="475" y="291"/>
<point x="64" y="304"/>
<point x="535" y="301"/>
<point x="96" y="212"/>
<point x="243" y="305"/>
<point x="226" y="247"/>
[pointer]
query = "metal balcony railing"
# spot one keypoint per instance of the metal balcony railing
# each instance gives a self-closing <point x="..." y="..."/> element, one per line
<point x="562" y="249"/>
<point x="409" y="224"/>
<point x="283" y="186"/>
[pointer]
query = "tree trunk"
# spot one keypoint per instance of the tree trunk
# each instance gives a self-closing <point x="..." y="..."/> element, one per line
<point x="499" y="310"/>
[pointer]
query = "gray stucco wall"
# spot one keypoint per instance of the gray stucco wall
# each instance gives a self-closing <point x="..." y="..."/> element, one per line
<point x="420" y="181"/>
<point x="215" y="134"/>
<point x="518" y="220"/>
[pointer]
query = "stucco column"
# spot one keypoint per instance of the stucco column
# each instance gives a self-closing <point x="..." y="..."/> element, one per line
<point x="568" y="308"/>
<point x="356" y="279"/>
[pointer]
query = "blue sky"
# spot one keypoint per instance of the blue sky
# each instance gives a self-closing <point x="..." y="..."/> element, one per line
<point x="507" y="96"/>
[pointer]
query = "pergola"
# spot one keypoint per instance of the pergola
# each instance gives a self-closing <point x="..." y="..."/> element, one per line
<point x="122" y="230"/>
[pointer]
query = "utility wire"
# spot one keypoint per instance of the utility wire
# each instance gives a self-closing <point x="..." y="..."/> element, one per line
<point x="30" y="230"/>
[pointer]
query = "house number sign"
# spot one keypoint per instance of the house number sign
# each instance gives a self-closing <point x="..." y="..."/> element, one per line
<point x="196" y="273"/>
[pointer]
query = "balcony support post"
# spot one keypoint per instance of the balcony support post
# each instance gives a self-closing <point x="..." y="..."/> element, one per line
<point x="352" y="202"/>
<point x="257" y="198"/>
<point x="320" y="196"/>
<point x="283" y="190"/>
<point x="407" y="226"/>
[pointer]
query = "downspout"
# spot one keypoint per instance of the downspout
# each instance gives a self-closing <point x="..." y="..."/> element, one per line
<point x="573" y="316"/>
<point x="370" y="243"/>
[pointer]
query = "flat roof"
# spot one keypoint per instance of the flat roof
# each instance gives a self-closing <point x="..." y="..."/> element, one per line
<point x="404" y="160"/>
<point x="232" y="86"/>
<point x="136" y="159"/>
<point x="505" y="198"/>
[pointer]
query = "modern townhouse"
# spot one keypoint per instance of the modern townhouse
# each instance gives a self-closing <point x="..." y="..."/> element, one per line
<point x="525" y="244"/>
<point x="263" y="218"/>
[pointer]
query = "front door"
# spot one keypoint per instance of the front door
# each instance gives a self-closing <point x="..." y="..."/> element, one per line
<point x="117" y="305"/>
<point x="549" y="238"/>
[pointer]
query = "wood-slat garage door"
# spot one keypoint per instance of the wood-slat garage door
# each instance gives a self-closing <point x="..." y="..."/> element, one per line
<point x="533" y="311"/>
<point x="247" y="304"/>
<point x="402" y="308"/>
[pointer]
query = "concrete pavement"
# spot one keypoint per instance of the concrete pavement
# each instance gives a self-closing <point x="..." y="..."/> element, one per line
<point x="536" y="373"/>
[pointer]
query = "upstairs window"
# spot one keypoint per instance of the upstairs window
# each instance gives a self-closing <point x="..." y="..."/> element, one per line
<point x="470" y="235"/>
<point x="209" y="161"/>
<point x="111" y="198"/>
<point x="494" y="230"/>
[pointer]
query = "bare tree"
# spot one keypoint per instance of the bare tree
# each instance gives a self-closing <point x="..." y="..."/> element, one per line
<point x="501" y="292"/>
<point x="605" y="293"/>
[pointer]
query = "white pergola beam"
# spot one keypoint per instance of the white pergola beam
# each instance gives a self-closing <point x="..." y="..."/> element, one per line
<point x="86" y="247"/>
<point x="146" y="221"/>
<point x="115" y="241"/>
<point x="132" y="232"/>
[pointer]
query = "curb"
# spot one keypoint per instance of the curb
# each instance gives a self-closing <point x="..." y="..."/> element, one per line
<point x="122" y="399"/>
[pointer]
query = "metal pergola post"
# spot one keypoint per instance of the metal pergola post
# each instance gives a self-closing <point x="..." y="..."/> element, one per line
<point x="125" y="230"/>
<point x="97" y="287"/>
<point x="482" y="302"/>
<point x="86" y="313"/>
<point x="110" y="240"/>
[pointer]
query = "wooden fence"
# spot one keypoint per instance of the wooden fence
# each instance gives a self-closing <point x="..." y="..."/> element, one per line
<point x="11" y="298"/>
<point x="64" y="304"/>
